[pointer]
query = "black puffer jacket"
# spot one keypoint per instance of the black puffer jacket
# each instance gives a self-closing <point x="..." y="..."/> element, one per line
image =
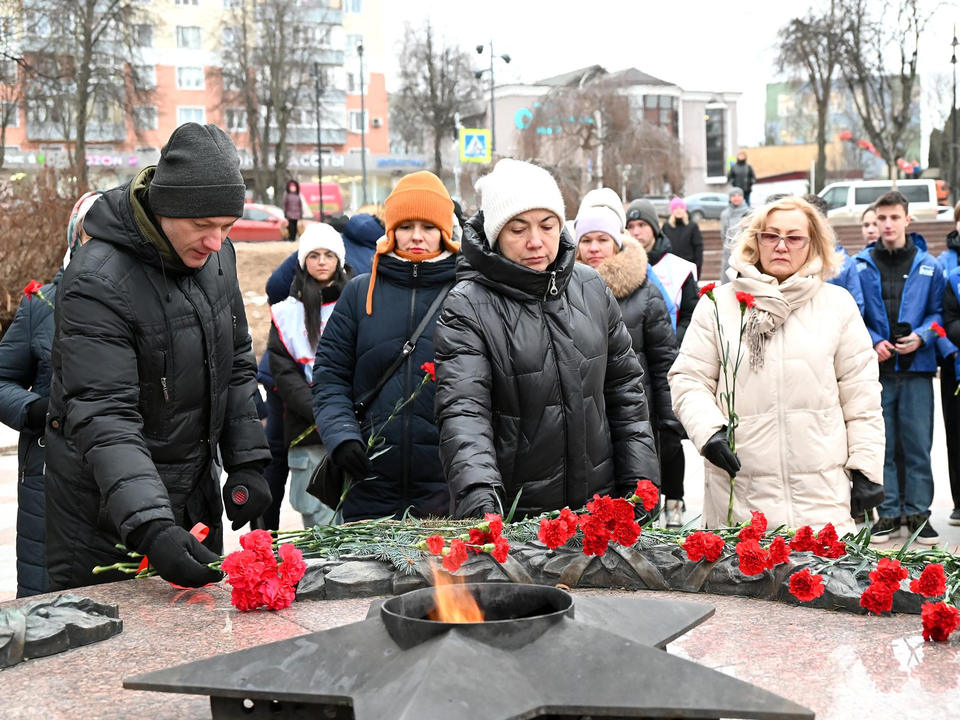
<point x="356" y="350"/>
<point x="538" y="389"/>
<point x="152" y="371"/>
<point x="646" y="319"/>
<point x="686" y="240"/>
<point x="25" y="379"/>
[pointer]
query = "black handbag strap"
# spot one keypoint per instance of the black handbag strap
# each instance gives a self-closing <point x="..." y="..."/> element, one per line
<point x="363" y="402"/>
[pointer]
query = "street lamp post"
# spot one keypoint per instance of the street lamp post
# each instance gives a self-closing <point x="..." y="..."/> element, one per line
<point x="493" y="108"/>
<point x="953" y="123"/>
<point x="363" y="125"/>
<point x="318" y="81"/>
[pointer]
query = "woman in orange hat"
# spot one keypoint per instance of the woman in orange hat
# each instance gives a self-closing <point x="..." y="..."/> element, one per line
<point x="413" y="268"/>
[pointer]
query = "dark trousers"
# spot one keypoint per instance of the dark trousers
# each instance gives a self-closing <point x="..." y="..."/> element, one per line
<point x="277" y="471"/>
<point x="746" y="196"/>
<point x="949" y="401"/>
<point x="671" y="475"/>
<point x="292" y="228"/>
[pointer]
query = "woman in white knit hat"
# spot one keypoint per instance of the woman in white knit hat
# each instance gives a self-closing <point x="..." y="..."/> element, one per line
<point x="298" y="323"/>
<point x="539" y="393"/>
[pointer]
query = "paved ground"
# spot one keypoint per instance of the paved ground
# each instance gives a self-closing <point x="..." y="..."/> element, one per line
<point x="942" y="502"/>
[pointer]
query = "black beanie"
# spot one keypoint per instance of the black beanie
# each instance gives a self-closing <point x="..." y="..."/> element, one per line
<point x="198" y="175"/>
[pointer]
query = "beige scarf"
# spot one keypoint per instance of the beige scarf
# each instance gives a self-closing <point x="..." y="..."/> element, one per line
<point x="775" y="300"/>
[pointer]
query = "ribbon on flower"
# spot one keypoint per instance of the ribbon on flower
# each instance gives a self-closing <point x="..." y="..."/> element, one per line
<point x="199" y="531"/>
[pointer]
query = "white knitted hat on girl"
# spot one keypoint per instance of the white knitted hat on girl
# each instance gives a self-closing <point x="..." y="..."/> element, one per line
<point x="513" y="188"/>
<point x="320" y="236"/>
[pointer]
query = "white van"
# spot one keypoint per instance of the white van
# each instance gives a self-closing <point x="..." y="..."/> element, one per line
<point x="847" y="200"/>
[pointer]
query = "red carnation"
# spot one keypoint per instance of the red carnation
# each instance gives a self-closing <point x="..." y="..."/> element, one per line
<point x="707" y="290"/>
<point x="756" y="528"/>
<point x="938" y="329"/>
<point x="746" y="300"/>
<point x="245" y="600"/>
<point x="430" y="369"/>
<point x="500" y="550"/>
<point x="889" y="573"/>
<point x="617" y="518"/>
<point x="32" y="287"/>
<point x="557" y="532"/>
<point x="753" y="558"/>
<point x="932" y="581"/>
<point x="261" y="543"/>
<point x="276" y="594"/>
<point x="435" y="544"/>
<point x="806" y="587"/>
<point x="456" y="555"/>
<point x="939" y="620"/>
<point x="877" y="598"/>
<point x="701" y="545"/>
<point x="647" y="493"/>
<point x="804" y="540"/>
<point x="494" y="524"/>
<point x="596" y="537"/>
<point x="292" y="567"/>
<point x="244" y="569"/>
<point x="831" y="546"/>
<point x="779" y="552"/>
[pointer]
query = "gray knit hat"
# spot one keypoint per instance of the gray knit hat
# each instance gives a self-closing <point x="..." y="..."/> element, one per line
<point x="643" y="210"/>
<point x="198" y="175"/>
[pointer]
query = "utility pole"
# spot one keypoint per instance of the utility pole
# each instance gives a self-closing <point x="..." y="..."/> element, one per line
<point x="363" y="125"/>
<point x="318" y="81"/>
<point x="493" y="105"/>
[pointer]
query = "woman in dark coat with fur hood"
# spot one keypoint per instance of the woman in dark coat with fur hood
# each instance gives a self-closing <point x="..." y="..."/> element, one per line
<point x="622" y="263"/>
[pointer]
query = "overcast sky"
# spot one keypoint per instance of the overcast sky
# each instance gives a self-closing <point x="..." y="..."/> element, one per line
<point x="716" y="45"/>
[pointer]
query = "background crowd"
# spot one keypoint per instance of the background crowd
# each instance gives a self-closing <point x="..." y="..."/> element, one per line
<point x="427" y="363"/>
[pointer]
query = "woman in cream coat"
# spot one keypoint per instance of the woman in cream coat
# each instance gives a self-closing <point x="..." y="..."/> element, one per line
<point x="807" y="393"/>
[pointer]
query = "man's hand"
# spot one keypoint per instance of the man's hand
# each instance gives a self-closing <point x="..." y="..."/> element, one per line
<point x="885" y="350"/>
<point x="246" y="496"/>
<point x="911" y="343"/>
<point x="177" y="556"/>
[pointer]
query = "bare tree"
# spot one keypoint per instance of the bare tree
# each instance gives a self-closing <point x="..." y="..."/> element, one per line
<point x="270" y="51"/>
<point x="406" y="128"/>
<point x="436" y="81"/>
<point x="810" y="51"/>
<point x="879" y="64"/>
<point x="84" y="77"/>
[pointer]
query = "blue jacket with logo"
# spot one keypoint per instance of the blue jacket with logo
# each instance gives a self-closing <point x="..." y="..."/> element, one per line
<point x="953" y="285"/>
<point x="922" y="302"/>
<point x="849" y="278"/>
<point x="948" y="261"/>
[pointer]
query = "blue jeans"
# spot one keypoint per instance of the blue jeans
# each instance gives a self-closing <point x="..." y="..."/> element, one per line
<point x="908" y="414"/>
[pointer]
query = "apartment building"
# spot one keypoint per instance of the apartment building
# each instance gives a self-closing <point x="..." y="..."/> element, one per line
<point x="186" y="62"/>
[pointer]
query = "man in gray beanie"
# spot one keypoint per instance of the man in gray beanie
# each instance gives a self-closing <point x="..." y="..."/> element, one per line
<point x="153" y="376"/>
<point x="730" y="221"/>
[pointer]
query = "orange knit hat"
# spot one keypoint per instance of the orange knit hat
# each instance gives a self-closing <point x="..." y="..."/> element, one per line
<point x="420" y="196"/>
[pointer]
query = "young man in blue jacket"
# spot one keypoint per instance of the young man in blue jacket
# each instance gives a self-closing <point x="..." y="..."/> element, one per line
<point x="903" y="296"/>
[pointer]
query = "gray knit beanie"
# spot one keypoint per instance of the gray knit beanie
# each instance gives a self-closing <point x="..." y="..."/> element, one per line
<point x="643" y="210"/>
<point x="198" y="175"/>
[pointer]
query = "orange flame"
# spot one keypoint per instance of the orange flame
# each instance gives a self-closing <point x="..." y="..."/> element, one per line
<point x="455" y="603"/>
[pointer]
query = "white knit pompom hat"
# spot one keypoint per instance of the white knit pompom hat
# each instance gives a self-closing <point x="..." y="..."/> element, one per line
<point x="320" y="236"/>
<point x="513" y="188"/>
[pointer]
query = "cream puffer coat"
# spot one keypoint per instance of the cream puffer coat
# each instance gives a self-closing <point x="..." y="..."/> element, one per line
<point x="808" y="416"/>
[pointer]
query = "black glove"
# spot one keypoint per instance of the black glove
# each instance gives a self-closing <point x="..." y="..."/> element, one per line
<point x="37" y="414"/>
<point x="864" y="495"/>
<point x="479" y="501"/>
<point x="351" y="457"/>
<point x="242" y="507"/>
<point x="175" y="554"/>
<point x="718" y="452"/>
<point x="669" y="443"/>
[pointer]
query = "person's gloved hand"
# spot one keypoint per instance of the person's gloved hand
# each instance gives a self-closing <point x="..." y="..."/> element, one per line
<point x="351" y="457"/>
<point x="864" y="495"/>
<point x="669" y="443"/>
<point x="37" y="414"/>
<point x="718" y="452"/>
<point x="177" y="556"/>
<point x="242" y="507"/>
<point x="476" y="503"/>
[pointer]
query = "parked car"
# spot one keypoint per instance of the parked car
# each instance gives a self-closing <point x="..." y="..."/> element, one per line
<point x="660" y="203"/>
<point x="706" y="205"/>
<point x="847" y="200"/>
<point x="263" y="223"/>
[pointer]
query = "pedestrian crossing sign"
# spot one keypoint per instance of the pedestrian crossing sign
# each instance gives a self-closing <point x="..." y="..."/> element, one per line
<point x="475" y="145"/>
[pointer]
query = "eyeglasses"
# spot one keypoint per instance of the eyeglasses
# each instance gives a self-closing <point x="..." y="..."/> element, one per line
<point x="793" y="242"/>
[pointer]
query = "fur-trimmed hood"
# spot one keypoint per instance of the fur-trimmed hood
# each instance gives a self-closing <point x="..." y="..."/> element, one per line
<point x="627" y="270"/>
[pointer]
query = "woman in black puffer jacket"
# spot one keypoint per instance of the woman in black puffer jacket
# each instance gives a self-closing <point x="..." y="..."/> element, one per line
<point x="374" y="317"/>
<point x="538" y="390"/>
<point x="622" y="263"/>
